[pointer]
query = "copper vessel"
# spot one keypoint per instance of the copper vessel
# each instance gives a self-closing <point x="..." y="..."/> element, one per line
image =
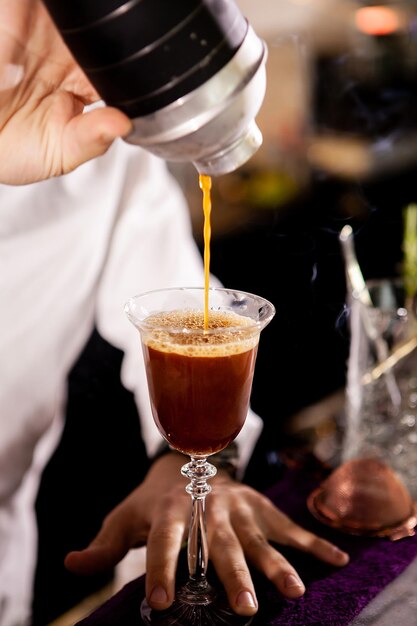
<point x="365" y="497"/>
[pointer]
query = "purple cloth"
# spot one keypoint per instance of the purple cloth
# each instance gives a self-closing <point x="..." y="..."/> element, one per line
<point x="333" y="596"/>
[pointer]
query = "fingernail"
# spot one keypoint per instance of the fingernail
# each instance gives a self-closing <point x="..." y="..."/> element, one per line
<point x="293" y="581"/>
<point x="245" y="599"/>
<point x="340" y="553"/>
<point x="158" y="595"/>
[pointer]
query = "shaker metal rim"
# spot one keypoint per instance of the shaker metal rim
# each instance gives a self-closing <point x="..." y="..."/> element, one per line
<point x="194" y="110"/>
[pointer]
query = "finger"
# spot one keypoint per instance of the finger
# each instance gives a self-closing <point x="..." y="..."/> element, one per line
<point x="251" y="526"/>
<point x="89" y="135"/>
<point x="279" y="528"/>
<point x="270" y="562"/>
<point x="108" y="548"/>
<point x="163" y="547"/>
<point x="321" y="548"/>
<point x="229" y="561"/>
<point x="93" y="559"/>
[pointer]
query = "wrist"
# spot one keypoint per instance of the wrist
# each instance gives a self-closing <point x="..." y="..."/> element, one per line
<point x="226" y="461"/>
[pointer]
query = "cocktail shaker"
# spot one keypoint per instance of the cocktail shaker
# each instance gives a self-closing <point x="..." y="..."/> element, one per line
<point x="190" y="74"/>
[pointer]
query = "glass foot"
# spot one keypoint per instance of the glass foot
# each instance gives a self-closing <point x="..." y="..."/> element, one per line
<point x="184" y="613"/>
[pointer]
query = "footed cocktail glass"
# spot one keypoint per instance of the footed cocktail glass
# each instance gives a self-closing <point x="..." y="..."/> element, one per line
<point x="200" y="381"/>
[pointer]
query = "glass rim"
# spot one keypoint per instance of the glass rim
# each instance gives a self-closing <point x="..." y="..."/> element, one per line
<point x="258" y="324"/>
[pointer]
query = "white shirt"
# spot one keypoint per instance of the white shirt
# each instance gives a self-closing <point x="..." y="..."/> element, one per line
<point x="72" y="251"/>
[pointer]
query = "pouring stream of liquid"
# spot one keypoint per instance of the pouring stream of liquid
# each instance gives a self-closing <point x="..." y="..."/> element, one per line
<point x="205" y="186"/>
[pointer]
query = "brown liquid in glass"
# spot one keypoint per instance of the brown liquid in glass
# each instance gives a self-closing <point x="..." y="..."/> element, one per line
<point x="200" y="390"/>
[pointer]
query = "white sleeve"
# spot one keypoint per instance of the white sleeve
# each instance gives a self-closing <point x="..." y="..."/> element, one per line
<point x="152" y="247"/>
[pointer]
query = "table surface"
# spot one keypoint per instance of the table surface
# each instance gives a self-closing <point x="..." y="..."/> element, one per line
<point x="378" y="583"/>
<point x="397" y="603"/>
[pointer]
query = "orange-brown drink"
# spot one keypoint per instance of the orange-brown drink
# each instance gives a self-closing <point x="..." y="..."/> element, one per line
<point x="200" y="384"/>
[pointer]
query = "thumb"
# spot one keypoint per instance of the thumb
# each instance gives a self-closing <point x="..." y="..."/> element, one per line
<point x="89" y="135"/>
<point x="92" y="560"/>
<point x="108" y="548"/>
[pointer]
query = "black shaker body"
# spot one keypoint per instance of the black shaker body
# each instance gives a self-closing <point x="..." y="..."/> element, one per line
<point x="143" y="56"/>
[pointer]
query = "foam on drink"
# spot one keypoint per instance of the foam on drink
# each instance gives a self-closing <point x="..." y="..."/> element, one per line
<point x="175" y="331"/>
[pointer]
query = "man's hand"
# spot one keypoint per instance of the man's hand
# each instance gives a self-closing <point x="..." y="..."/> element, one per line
<point x="240" y="523"/>
<point x="43" y="131"/>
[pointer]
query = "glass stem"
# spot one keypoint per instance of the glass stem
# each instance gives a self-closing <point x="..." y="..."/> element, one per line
<point x="198" y="471"/>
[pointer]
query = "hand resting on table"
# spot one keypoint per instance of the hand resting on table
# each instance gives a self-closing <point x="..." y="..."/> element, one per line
<point x="240" y="522"/>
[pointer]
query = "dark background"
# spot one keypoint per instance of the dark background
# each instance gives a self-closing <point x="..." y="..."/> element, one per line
<point x="293" y="258"/>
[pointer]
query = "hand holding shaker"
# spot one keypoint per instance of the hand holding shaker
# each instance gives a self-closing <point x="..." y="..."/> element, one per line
<point x="190" y="74"/>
